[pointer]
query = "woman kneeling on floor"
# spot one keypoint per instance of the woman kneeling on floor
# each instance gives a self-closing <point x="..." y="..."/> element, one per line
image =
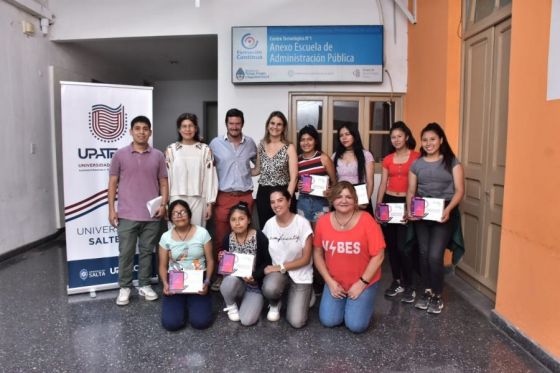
<point x="185" y="247"/>
<point x="244" y="240"/>
<point x="348" y="254"/>
<point x="290" y="246"/>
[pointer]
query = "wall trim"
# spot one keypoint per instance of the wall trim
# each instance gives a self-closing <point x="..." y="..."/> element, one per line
<point x="29" y="246"/>
<point x="525" y="342"/>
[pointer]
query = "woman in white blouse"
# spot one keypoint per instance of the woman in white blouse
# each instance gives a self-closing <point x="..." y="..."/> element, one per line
<point x="191" y="170"/>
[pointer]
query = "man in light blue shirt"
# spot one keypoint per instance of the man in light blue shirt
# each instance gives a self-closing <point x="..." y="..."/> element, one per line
<point x="233" y="154"/>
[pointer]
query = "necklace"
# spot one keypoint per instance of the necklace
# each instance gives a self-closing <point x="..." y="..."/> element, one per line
<point x="310" y="157"/>
<point x="186" y="234"/>
<point x="244" y="240"/>
<point x="343" y="226"/>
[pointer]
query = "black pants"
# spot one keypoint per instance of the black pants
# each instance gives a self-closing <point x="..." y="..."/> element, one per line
<point x="433" y="238"/>
<point x="263" y="204"/>
<point x="395" y="240"/>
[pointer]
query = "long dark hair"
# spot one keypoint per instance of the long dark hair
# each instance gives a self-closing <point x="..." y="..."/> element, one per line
<point x="400" y="125"/>
<point x="357" y="147"/>
<point x="444" y="149"/>
<point x="240" y="206"/>
<point x="193" y="118"/>
<point x="311" y="131"/>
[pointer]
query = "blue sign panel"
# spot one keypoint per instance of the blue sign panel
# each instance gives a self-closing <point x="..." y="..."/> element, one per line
<point x="307" y="54"/>
<point x="99" y="271"/>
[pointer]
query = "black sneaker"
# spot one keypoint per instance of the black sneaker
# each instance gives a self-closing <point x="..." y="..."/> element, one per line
<point x="394" y="289"/>
<point x="436" y="304"/>
<point x="424" y="300"/>
<point x="408" y="295"/>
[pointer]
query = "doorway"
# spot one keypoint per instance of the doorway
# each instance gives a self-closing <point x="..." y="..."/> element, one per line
<point x="486" y="52"/>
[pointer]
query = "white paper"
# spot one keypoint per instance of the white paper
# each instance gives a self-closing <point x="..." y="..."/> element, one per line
<point x="319" y="184"/>
<point x="193" y="281"/>
<point x="434" y="209"/>
<point x="396" y="213"/>
<point x="361" y="191"/>
<point x="553" y="82"/>
<point x="153" y="205"/>
<point x="243" y="266"/>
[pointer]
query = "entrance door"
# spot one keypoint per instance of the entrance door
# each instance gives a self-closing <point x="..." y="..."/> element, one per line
<point x="484" y="135"/>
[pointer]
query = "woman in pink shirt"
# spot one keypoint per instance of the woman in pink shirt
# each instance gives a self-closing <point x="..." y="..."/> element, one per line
<point x="353" y="163"/>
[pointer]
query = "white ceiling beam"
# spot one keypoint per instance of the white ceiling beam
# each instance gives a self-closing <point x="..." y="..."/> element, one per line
<point x="32" y="7"/>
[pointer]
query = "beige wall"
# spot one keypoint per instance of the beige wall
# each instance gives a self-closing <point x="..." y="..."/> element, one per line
<point x="528" y="294"/>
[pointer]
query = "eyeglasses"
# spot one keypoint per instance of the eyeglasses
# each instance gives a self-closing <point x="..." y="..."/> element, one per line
<point x="179" y="214"/>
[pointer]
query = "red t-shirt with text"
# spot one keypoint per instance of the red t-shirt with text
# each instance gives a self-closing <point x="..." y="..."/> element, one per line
<point x="347" y="253"/>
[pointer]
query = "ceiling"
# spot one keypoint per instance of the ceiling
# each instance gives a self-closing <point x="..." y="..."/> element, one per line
<point x="159" y="58"/>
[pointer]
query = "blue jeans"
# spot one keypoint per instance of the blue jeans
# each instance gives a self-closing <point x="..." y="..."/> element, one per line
<point x="355" y="313"/>
<point x="174" y="310"/>
<point x="312" y="207"/>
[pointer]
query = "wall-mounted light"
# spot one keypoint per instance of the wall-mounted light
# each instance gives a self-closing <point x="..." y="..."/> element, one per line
<point x="44" y="25"/>
<point x="197" y="3"/>
<point x="27" y="28"/>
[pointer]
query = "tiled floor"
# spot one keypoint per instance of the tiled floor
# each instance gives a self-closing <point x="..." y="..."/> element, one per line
<point x="44" y="330"/>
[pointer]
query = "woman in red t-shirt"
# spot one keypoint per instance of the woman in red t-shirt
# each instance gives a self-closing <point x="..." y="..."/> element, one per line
<point x="393" y="187"/>
<point x="348" y="252"/>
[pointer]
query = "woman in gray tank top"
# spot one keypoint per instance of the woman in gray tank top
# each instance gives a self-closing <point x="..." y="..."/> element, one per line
<point x="437" y="174"/>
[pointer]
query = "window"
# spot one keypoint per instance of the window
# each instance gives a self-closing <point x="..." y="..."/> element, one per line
<point x="481" y="14"/>
<point x="373" y="113"/>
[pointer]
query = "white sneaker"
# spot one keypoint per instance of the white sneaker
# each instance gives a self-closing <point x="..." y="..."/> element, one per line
<point x="232" y="312"/>
<point x="147" y="292"/>
<point x="274" y="312"/>
<point x="124" y="297"/>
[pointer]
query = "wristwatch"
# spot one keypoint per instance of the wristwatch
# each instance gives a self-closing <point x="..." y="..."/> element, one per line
<point x="282" y="269"/>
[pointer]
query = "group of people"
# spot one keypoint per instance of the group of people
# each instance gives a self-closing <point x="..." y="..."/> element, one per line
<point x="330" y="234"/>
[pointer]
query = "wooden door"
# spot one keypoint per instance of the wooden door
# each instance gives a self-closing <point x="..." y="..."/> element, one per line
<point x="484" y="135"/>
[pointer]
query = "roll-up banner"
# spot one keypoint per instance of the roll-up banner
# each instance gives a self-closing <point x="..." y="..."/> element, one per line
<point x="95" y="123"/>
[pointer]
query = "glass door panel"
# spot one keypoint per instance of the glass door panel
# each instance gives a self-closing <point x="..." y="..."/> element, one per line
<point x="381" y="115"/>
<point x="309" y="112"/>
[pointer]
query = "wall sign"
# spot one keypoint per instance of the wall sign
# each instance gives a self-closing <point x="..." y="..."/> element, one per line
<point x="278" y="54"/>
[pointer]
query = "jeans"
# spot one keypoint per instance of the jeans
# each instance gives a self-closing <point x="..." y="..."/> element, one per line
<point x="175" y="307"/>
<point x="312" y="207"/>
<point x="234" y="288"/>
<point x="146" y="234"/>
<point x="433" y="238"/>
<point x="299" y="296"/>
<point x="395" y="239"/>
<point x="355" y="313"/>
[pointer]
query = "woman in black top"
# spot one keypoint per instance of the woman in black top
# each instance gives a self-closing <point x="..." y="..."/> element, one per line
<point x="244" y="240"/>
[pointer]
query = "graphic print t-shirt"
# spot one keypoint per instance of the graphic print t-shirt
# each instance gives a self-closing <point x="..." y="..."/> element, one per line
<point x="347" y="253"/>
<point x="285" y="244"/>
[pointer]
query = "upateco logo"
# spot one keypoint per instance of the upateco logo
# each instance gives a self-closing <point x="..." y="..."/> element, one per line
<point x="248" y="41"/>
<point x="84" y="274"/>
<point x="106" y="123"/>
